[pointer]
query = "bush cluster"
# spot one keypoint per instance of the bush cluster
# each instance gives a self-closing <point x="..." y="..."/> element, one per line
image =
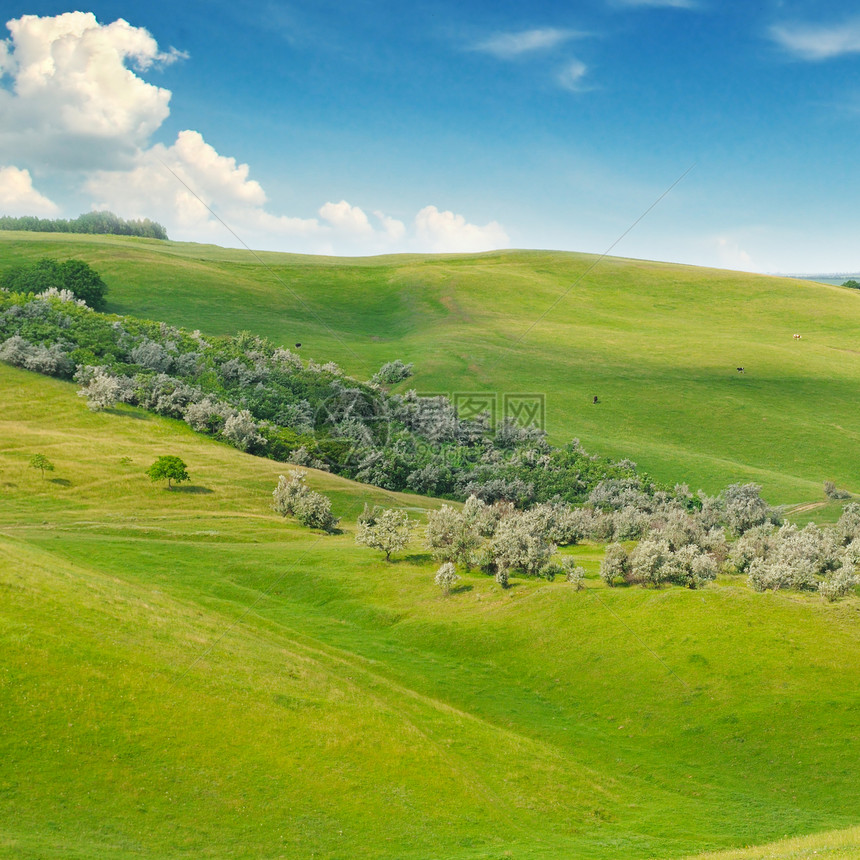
<point x="266" y="400"/>
<point x="57" y="278"/>
<point x="292" y="497"/>
<point x="804" y="559"/>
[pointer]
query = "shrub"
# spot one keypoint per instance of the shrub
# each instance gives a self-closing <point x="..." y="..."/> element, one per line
<point x="694" y="568"/>
<point x="756" y="543"/>
<point x="240" y="430"/>
<point x="848" y="527"/>
<point x="207" y="415"/>
<point x="573" y="573"/>
<point x="383" y="528"/>
<point x="839" y="583"/>
<point x="551" y="570"/>
<point x="652" y="562"/>
<point x="313" y="510"/>
<point x="392" y="373"/>
<point x="446" y="576"/>
<point x="288" y="492"/>
<point x="151" y="355"/>
<point x="833" y="492"/>
<point x="615" y="564"/>
<point x="100" y="388"/>
<point x="451" y="536"/>
<point x="519" y="543"/>
<point x="745" y="508"/>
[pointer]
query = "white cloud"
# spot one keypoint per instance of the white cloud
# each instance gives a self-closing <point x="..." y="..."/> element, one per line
<point x="445" y="231"/>
<point x="732" y="256"/>
<point x="345" y="218"/>
<point x="571" y="76"/>
<point x="73" y="101"/>
<point x="507" y="46"/>
<point x="18" y="197"/>
<point x="818" y="41"/>
<point x="670" y="4"/>
<point x="175" y="185"/>
<point x="393" y="229"/>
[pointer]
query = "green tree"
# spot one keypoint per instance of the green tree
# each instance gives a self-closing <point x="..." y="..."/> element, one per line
<point x="85" y="282"/>
<point x="74" y="275"/>
<point x="42" y="463"/>
<point x="854" y="285"/>
<point x="170" y="468"/>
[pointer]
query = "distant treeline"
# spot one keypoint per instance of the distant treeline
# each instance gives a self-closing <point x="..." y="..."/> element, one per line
<point x="89" y="222"/>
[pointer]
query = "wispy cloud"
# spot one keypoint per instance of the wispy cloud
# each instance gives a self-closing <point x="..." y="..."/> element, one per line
<point x="818" y="41"/>
<point x="507" y="46"/>
<point x="669" y="4"/>
<point x="571" y="76"/>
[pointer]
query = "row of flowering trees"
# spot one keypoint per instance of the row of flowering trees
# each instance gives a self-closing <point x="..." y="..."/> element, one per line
<point x="736" y="532"/>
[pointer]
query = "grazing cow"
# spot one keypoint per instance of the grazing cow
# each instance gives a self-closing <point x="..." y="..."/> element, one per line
<point x="797" y="337"/>
<point x="741" y="370"/>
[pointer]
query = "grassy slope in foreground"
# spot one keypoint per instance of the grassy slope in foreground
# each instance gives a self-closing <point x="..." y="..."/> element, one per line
<point x="658" y="343"/>
<point x="838" y="845"/>
<point x="187" y="675"/>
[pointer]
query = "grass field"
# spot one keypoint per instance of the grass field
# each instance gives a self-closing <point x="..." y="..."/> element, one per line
<point x="658" y="343"/>
<point x="187" y="675"/>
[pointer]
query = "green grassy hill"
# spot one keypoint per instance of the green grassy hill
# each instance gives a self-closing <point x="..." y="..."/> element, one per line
<point x="658" y="343"/>
<point x="186" y="675"/>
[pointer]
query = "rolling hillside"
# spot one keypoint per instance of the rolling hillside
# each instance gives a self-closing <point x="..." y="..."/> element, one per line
<point x="658" y="343"/>
<point x="187" y="675"/>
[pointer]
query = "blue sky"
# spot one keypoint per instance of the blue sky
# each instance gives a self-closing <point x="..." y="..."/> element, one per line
<point x="368" y="126"/>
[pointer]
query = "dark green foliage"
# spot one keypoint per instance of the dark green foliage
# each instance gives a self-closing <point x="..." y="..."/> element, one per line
<point x="76" y="276"/>
<point x="852" y="284"/>
<point x="287" y="407"/>
<point x="169" y="468"/>
<point x="90" y="222"/>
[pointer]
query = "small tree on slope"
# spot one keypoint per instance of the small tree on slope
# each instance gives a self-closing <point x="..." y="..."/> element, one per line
<point x="168" y="468"/>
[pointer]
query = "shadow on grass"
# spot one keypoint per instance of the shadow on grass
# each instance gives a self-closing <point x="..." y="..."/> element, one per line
<point x="61" y="482"/>
<point x="192" y="490"/>
<point x="416" y="558"/>
<point x="128" y="412"/>
<point x="461" y="589"/>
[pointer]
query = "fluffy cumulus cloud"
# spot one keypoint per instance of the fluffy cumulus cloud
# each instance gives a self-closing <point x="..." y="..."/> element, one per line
<point x="72" y="99"/>
<point x="194" y="191"/>
<point x="203" y="196"/>
<point x="445" y="231"/>
<point x="818" y="41"/>
<point x="18" y="197"/>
